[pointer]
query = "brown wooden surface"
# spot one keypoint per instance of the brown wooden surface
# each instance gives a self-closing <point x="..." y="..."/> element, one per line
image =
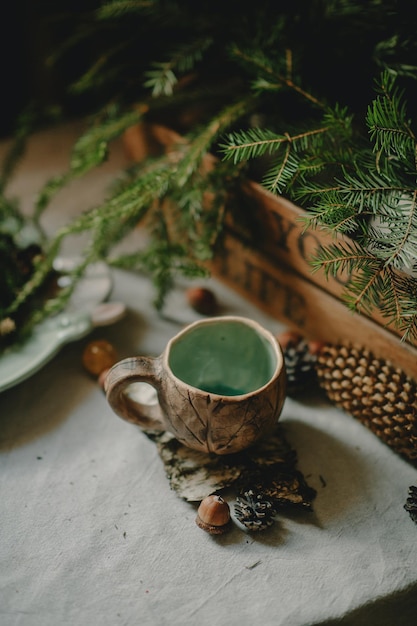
<point x="276" y="227"/>
<point x="304" y="306"/>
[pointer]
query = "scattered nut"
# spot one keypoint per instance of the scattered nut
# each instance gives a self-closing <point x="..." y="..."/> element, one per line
<point x="213" y="515"/>
<point x="202" y="300"/>
<point x="315" y="346"/>
<point x="288" y="337"/>
<point x="98" y="355"/>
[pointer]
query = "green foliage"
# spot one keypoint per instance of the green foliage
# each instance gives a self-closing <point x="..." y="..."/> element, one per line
<point x="370" y="194"/>
<point x="163" y="76"/>
<point x="121" y="8"/>
<point x="257" y="89"/>
<point x="89" y="151"/>
<point x="387" y="120"/>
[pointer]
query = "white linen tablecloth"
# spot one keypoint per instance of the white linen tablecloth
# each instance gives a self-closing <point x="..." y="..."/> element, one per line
<point x="92" y="534"/>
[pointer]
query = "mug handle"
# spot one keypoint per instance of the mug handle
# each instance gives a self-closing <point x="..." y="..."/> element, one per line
<point x="121" y="376"/>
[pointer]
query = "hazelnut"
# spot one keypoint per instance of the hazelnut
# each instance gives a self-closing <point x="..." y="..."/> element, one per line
<point x="289" y="338"/>
<point x="202" y="300"/>
<point x="315" y="347"/>
<point x="98" y="355"/>
<point x="213" y="515"/>
<point x="292" y="338"/>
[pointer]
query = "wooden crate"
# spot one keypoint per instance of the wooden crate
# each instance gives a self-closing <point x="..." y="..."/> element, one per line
<point x="276" y="227"/>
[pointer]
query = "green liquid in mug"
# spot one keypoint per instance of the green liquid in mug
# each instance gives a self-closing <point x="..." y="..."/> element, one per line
<point x="227" y="358"/>
<point x="223" y="390"/>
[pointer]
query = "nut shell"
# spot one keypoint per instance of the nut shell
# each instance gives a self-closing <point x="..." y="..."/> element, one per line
<point x="213" y="515"/>
<point x="288" y="337"/>
<point x="98" y="356"/>
<point x="202" y="300"/>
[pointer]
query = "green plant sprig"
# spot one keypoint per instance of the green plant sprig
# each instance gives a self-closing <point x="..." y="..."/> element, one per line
<point x="162" y="78"/>
<point x="89" y="151"/>
<point x="376" y="202"/>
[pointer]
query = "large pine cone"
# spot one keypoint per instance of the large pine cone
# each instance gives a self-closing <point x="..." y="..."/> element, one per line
<point x="380" y="395"/>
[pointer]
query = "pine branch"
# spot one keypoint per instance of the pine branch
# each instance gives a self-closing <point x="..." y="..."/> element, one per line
<point x="294" y="154"/>
<point x="201" y="143"/>
<point x="365" y="193"/>
<point x="393" y="234"/>
<point x="162" y="78"/>
<point x="90" y="150"/>
<point x="197" y="213"/>
<point x="131" y="202"/>
<point x="42" y="271"/>
<point x="272" y="80"/>
<point x="364" y="290"/>
<point x="120" y="8"/>
<point x="25" y="126"/>
<point x="408" y="310"/>
<point x="56" y="304"/>
<point x="344" y="258"/>
<point x="105" y="69"/>
<point x="332" y="214"/>
<point x="251" y="144"/>
<point x="398" y="286"/>
<point x="282" y="172"/>
<point x="11" y="218"/>
<point x="256" y="142"/>
<point x="387" y="121"/>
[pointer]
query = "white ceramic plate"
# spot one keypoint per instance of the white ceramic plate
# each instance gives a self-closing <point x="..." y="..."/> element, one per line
<point x="81" y="315"/>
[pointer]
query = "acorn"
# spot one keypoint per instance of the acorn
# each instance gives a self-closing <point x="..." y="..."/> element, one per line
<point x="98" y="356"/>
<point x="213" y="515"/>
<point x="202" y="300"/>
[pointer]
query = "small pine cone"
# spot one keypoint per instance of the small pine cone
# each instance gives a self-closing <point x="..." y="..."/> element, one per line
<point x="411" y="503"/>
<point x="253" y="511"/>
<point x="299" y="362"/>
<point x="371" y="389"/>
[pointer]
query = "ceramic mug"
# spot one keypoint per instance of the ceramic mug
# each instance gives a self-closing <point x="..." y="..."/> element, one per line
<point x="220" y="385"/>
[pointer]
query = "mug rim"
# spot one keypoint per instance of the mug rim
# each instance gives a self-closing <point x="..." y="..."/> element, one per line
<point x="257" y="326"/>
